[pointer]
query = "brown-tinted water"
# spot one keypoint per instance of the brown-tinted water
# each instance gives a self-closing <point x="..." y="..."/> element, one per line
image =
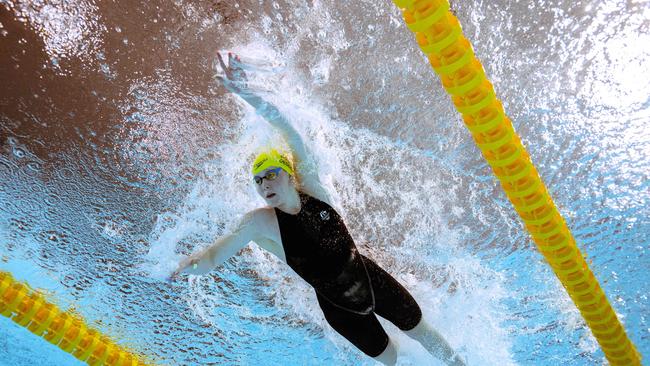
<point x="119" y="151"/>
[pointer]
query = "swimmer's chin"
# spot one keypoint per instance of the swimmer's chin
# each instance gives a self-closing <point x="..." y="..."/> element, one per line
<point x="273" y="201"/>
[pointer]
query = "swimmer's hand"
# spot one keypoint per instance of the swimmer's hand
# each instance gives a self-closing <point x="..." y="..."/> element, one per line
<point x="235" y="80"/>
<point x="188" y="265"/>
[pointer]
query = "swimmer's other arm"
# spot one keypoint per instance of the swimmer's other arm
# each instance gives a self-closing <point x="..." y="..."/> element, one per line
<point x="235" y="82"/>
<point x="223" y="248"/>
<point x="306" y="171"/>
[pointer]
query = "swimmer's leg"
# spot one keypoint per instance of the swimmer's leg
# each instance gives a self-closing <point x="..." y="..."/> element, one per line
<point x="363" y="331"/>
<point x="389" y="356"/>
<point x="394" y="303"/>
<point x="433" y="342"/>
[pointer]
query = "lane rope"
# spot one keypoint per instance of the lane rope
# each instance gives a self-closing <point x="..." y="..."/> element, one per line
<point x="30" y="309"/>
<point x="439" y="35"/>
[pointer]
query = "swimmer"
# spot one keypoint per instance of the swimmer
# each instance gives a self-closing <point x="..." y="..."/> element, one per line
<point x="301" y="228"/>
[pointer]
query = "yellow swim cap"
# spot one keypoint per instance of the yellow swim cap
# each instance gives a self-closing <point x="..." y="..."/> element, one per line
<point x="271" y="158"/>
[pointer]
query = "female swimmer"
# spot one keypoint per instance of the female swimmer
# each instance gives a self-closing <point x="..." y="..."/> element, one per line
<point x="301" y="228"/>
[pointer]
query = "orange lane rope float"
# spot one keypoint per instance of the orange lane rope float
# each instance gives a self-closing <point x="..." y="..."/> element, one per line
<point x="439" y="35"/>
<point x="30" y="309"/>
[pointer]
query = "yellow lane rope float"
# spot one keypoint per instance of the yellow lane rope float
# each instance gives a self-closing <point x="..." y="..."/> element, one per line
<point x="68" y="331"/>
<point x="439" y="35"/>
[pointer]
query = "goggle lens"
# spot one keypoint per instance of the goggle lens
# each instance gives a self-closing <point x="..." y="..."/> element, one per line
<point x="270" y="175"/>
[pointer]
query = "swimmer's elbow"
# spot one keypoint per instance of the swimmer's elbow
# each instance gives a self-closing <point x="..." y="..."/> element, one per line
<point x="227" y="246"/>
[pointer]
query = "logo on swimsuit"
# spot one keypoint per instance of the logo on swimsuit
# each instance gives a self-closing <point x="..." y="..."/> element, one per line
<point x="324" y="215"/>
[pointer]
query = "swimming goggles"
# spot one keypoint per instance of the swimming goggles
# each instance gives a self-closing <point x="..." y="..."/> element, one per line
<point x="270" y="175"/>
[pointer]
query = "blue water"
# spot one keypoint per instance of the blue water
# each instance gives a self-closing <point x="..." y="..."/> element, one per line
<point x="120" y="153"/>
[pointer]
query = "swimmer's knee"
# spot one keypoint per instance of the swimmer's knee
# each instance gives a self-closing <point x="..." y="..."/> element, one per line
<point x="413" y="319"/>
<point x="419" y="328"/>
<point x="388" y="355"/>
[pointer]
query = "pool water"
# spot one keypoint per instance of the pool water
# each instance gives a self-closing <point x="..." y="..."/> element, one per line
<point x="120" y="153"/>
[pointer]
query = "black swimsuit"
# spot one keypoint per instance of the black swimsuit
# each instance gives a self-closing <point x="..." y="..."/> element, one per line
<point x="350" y="287"/>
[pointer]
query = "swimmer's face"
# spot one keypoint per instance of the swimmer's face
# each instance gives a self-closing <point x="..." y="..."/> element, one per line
<point x="274" y="185"/>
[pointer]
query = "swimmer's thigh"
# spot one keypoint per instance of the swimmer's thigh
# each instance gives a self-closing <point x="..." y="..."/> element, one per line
<point x="393" y="302"/>
<point x="364" y="331"/>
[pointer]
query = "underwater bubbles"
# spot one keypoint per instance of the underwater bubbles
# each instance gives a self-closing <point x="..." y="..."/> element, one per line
<point x="7" y="168"/>
<point x="71" y="28"/>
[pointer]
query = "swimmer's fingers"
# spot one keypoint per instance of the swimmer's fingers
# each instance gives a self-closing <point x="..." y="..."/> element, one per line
<point x="232" y="60"/>
<point x="234" y="70"/>
<point x="236" y="67"/>
<point x="235" y="80"/>
<point x="183" y="265"/>
<point x="172" y="277"/>
<point x="224" y="67"/>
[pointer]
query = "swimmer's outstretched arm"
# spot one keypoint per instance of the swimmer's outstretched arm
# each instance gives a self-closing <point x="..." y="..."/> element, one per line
<point x="235" y="82"/>
<point x="223" y="248"/>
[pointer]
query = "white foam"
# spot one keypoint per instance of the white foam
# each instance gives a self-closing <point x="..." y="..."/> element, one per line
<point x="386" y="192"/>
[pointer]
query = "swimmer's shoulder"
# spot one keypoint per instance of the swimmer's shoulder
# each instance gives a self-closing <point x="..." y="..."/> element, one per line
<point x="316" y="191"/>
<point x="268" y="235"/>
<point x="264" y="221"/>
